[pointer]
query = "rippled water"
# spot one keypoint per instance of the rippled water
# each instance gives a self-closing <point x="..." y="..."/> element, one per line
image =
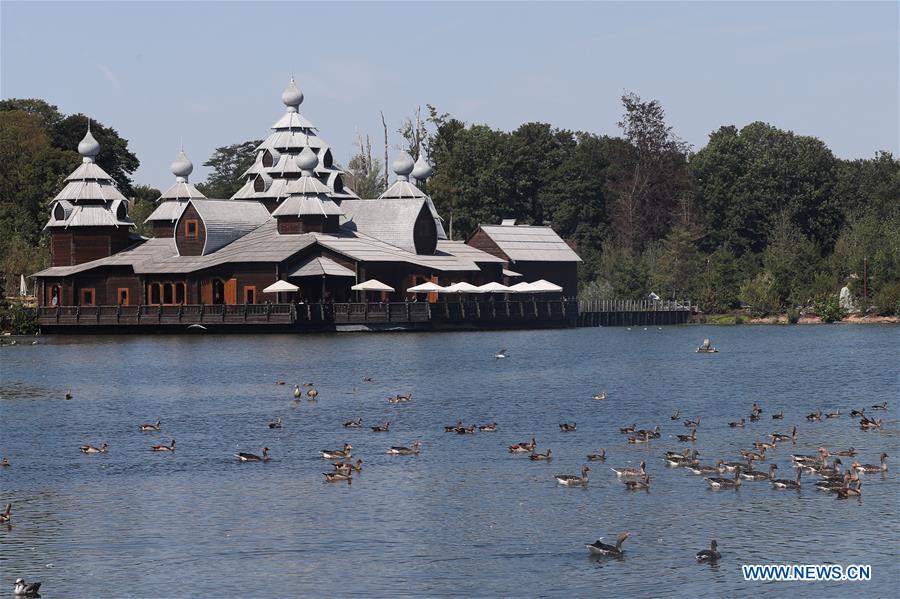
<point x="465" y="517"/>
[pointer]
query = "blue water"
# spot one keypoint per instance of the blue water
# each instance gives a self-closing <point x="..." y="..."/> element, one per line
<point x="464" y="517"/>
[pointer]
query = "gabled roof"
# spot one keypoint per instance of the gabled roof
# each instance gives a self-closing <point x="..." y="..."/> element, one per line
<point x="530" y="243"/>
<point x="304" y="205"/>
<point x="318" y="266"/>
<point x="89" y="190"/>
<point x="390" y="221"/>
<point x="225" y="220"/>
<point x="181" y="190"/>
<point x="170" y="210"/>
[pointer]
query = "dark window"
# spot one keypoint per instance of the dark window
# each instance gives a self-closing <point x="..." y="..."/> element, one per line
<point x="249" y="295"/>
<point x="179" y="293"/>
<point x="123" y="296"/>
<point x="190" y="228"/>
<point x="59" y="213"/>
<point x="168" y="293"/>
<point x="154" y="293"/>
<point x="87" y="297"/>
<point x="122" y="211"/>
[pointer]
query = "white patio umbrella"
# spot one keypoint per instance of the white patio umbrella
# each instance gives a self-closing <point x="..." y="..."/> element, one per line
<point x="462" y="287"/>
<point x="427" y="287"/>
<point x="279" y="286"/>
<point x="372" y="285"/>
<point x="522" y="287"/>
<point x="494" y="287"/>
<point x="543" y="286"/>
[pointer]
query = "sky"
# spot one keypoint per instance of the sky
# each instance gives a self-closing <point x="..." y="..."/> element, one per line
<point x="211" y="73"/>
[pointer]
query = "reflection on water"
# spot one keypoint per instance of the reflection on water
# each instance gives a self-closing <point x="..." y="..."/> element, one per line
<point x="465" y="516"/>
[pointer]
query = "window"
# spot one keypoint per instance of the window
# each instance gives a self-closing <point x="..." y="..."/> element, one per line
<point x="190" y="228"/>
<point x="53" y="296"/>
<point x="87" y="297"/>
<point x="250" y="295"/>
<point x="168" y="293"/>
<point x="122" y="295"/>
<point x="155" y="293"/>
<point x="179" y="293"/>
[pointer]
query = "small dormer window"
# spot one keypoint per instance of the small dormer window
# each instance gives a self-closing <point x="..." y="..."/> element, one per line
<point x="259" y="184"/>
<point x="338" y="184"/>
<point x="121" y="211"/>
<point x="190" y="228"/>
<point x="327" y="159"/>
<point x="267" y="159"/>
<point x="59" y="213"/>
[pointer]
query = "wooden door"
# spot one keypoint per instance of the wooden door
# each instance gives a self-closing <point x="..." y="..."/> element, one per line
<point x="433" y="296"/>
<point x="231" y="291"/>
<point x="206" y="288"/>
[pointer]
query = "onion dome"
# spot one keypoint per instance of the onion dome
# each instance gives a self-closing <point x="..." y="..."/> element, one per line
<point x="422" y="170"/>
<point x="88" y="147"/>
<point x="307" y="161"/>
<point x="182" y="167"/>
<point x="292" y="96"/>
<point x="403" y="165"/>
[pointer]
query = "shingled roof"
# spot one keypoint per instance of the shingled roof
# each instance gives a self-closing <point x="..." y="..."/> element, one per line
<point x="530" y="243"/>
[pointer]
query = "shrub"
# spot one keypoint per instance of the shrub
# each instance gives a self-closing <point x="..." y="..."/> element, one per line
<point x="793" y="315"/>
<point x="760" y="295"/>
<point x="829" y="309"/>
<point x="887" y="300"/>
<point x="19" y="319"/>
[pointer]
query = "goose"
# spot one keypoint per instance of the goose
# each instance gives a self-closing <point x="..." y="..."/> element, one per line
<point x="600" y="456"/>
<point x="348" y="466"/>
<point x="382" y="428"/>
<point x="488" y="428"/>
<point x="779" y="437"/>
<point x="717" y="482"/>
<point x="679" y="454"/>
<point x="833" y="414"/>
<point x="815" y="416"/>
<point x="333" y="477"/>
<point x="654" y="434"/>
<point x="692" y="423"/>
<point x="526" y="447"/>
<point x="571" y="479"/>
<point x="25" y="589"/>
<point x="6" y="514"/>
<point x="676" y="415"/>
<point x="147" y="428"/>
<point x="643" y="484"/>
<point x="338" y="454"/>
<point x="312" y="393"/>
<point x="753" y="456"/>
<point x="826" y="470"/>
<point x="811" y="459"/>
<point x="275" y="423"/>
<point x="847" y="453"/>
<point x="414" y="450"/>
<point x="566" y="427"/>
<point x="631" y="472"/>
<point x="778" y="416"/>
<point x="280" y="382"/>
<point x="831" y="485"/>
<point x="786" y="483"/>
<point x="500" y="355"/>
<point x="751" y="474"/>
<point x="760" y="445"/>
<point x="367" y="379"/>
<point x="709" y="555"/>
<point x="698" y="469"/>
<point x="297" y="391"/>
<point x="645" y="438"/>
<point x="547" y="455"/>
<point x="93" y="449"/>
<point x="308" y="385"/>
<point x="252" y="457"/>
<point x="858" y="413"/>
<point x="868" y="423"/>
<point x="600" y="396"/>
<point x="452" y="427"/>
<point x="755" y="409"/>
<point x="739" y="424"/>
<point x="870" y="468"/>
<point x="161" y="447"/>
<point x="599" y="548"/>
<point x="68" y="394"/>
<point x="754" y="417"/>
<point x="625" y="430"/>
<point x="880" y="406"/>
<point x="682" y="460"/>
<point x="4" y="463"/>
<point x="850" y="490"/>
<point x="465" y="430"/>
<point x="688" y="438"/>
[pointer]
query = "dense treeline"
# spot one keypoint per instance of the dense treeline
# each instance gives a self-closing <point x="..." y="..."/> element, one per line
<point x="758" y="217"/>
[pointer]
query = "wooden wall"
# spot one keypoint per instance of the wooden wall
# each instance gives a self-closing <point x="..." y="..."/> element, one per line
<point x="293" y="225"/>
<point x="163" y="228"/>
<point x="483" y="242"/>
<point x="83" y="244"/>
<point x="190" y="247"/>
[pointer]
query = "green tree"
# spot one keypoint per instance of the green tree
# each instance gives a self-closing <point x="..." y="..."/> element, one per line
<point x="759" y="295"/>
<point x="145" y="202"/>
<point x="721" y="282"/>
<point x="228" y="163"/>
<point x="678" y="269"/>
<point x="793" y="261"/>
<point x="364" y="171"/>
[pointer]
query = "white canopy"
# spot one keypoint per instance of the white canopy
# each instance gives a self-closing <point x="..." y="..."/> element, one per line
<point x="511" y="273"/>
<point x="543" y="286"/>
<point x="279" y="286"/>
<point x="372" y="285"/>
<point x="522" y="287"/>
<point x="427" y="287"/>
<point x="462" y="287"/>
<point x="494" y="287"/>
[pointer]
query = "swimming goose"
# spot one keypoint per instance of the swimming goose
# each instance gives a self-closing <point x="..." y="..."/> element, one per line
<point x="147" y="428"/>
<point x="870" y="468"/>
<point x="825" y="470"/>
<point x="600" y="396"/>
<point x="779" y="437"/>
<point x="452" y="427"/>
<point x="6" y="515"/>
<point x="338" y="454"/>
<point x="280" y="382"/>
<point x="755" y="409"/>
<point x="755" y="417"/>
<point x="833" y="414"/>
<point x="598" y="548"/>
<point x="600" y="456"/>
<point x="275" y="423"/>
<point x="643" y="484"/>
<point x="566" y="427"/>
<point x="682" y="460"/>
<point x="811" y="459"/>
<point x="688" y="438"/>
<point x="739" y="424"/>
<point x="68" y="394"/>
<point x="308" y="385"/>
<point x="786" y="483"/>
<point x="831" y="485"/>
<point x="4" y="463"/>
<point x="709" y="555"/>
<point x="698" y="469"/>
<point x="93" y="449"/>
<point x="676" y="415"/>
<point x="847" y="453"/>
<point x="297" y="391"/>
<point x="778" y="416"/>
<point x="760" y="445"/>
<point x="161" y="447"/>
<point x="850" y="490"/>
<point x="526" y="447"/>
<point x="500" y="355"/>
<point x="414" y="450"/>
<point x="753" y="456"/>
<point x="857" y="413"/>
<point x="631" y="472"/>
<point x="367" y="379"/>
<point x="643" y="438"/>
<point x="312" y="393"/>
<point x="625" y="430"/>
<point x="382" y="428"/>
<point x="252" y="457"/>
<point x="336" y="476"/>
<point x="717" y="482"/>
<point x="25" y="589"/>
<point x="868" y="423"/>
<point x="348" y="466"/>
<point x="751" y="474"/>
<point x="653" y="434"/>
<point x="692" y="423"/>
<point x="880" y="406"/>
<point x="815" y="416"/>
<point x="572" y="479"/>
<point x="488" y="428"/>
<point x="547" y="455"/>
<point x="465" y="430"/>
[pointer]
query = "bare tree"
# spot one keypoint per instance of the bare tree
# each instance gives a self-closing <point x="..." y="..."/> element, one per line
<point x="384" y="124"/>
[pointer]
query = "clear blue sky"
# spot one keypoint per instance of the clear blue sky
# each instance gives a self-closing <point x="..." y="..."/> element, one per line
<point x="212" y="73"/>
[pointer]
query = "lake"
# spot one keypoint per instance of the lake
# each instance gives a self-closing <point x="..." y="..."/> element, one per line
<point x="464" y="517"/>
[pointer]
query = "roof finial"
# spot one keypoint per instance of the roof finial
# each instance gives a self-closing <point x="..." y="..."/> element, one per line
<point x="292" y="96"/>
<point x="403" y="165"/>
<point x="307" y="160"/>
<point x="422" y="170"/>
<point x="88" y="147"/>
<point x="182" y="167"/>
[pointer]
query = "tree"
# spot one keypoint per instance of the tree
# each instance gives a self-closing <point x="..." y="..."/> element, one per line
<point x="145" y="202"/>
<point x="364" y="171"/>
<point x="759" y="295"/>
<point x="414" y="134"/>
<point x="793" y="262"/>
<point x="228" y="163"/>
<point x="721" y="282"/>
<point x="677" y="272"/>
